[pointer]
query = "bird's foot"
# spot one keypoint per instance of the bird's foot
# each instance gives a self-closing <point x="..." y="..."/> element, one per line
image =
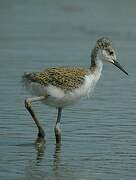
<point x="41" y="133"/>
<point x="40" y="141"/>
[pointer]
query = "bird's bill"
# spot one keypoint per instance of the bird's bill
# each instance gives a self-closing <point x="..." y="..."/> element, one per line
<point x="116" y="63"/>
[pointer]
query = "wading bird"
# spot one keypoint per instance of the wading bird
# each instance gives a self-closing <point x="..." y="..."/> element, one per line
<point x="63" y="86"/>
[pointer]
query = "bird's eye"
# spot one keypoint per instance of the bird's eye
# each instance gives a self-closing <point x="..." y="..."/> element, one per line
<point x="111" y="52"/>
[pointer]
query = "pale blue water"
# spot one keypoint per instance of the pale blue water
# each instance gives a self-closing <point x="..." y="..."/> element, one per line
<point x="98" y="135"/>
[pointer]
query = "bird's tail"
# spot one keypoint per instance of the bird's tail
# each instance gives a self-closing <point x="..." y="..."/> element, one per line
<point x="26" y="78"/>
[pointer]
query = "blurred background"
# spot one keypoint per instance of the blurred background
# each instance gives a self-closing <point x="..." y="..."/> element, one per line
<point x="98" y="134"/>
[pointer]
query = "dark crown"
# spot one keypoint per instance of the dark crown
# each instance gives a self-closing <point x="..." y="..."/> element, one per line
<point x="103" y="43"/>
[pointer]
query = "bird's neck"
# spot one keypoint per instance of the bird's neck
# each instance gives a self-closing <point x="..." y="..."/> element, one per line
<point x="96" y="62"/>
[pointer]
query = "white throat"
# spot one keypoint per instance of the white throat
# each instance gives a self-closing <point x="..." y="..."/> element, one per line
<point x="98" y="68"/>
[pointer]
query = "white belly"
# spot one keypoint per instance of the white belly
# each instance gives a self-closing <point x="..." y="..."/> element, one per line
<point x="60" y="98"/>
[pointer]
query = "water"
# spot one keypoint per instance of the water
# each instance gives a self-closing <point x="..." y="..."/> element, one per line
<point x="98" y="135"/>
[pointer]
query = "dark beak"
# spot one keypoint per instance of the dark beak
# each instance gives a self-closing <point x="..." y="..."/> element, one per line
<point x="119" y="66"/>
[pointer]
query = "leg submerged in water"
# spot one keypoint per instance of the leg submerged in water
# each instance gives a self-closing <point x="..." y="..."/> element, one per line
<point x="57" y="129"/>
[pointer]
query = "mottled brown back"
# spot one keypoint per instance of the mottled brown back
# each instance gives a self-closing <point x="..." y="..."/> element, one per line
<point x="67" y="78"/>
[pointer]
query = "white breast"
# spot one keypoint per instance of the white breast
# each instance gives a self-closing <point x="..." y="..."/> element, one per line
<point x="60" y="98"/>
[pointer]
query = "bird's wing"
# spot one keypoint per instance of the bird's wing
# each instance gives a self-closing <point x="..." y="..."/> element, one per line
<point x="66" y="78"/>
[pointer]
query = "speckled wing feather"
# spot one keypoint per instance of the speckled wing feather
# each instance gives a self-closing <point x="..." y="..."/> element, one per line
<point x="66" y="78"/>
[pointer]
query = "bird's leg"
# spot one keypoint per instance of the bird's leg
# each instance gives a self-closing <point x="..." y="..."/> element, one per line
<point x="28" y="106"/>
<point x="57" y="126"/>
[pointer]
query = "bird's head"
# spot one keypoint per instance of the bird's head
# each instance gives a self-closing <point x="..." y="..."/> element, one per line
<point x="105" y="52"/>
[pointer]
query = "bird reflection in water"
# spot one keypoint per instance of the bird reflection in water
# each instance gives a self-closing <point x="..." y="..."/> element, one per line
<point x="40" y="148"/>
<point x="56" y="162"/>
<point x="38" y="169"/>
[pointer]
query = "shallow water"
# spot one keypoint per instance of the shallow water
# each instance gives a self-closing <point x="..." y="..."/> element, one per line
<point x="98" y="135"/>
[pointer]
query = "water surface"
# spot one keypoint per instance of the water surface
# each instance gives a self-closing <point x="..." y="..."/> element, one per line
<point x="98" y="135"/>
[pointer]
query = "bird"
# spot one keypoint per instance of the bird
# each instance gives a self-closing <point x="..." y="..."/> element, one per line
<point x="63" y="86"/>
